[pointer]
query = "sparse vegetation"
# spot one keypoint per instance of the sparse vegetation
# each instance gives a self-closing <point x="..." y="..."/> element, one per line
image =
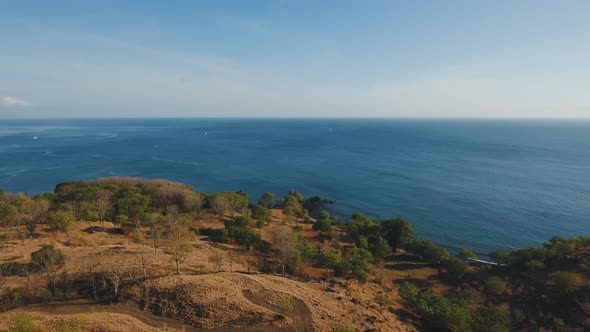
<point x="343" y="328"/>
<point x="566" y="282"/>
<point x="495" y="286"/>
<point x="23" y="323"/>
<point x="292" y="236"/>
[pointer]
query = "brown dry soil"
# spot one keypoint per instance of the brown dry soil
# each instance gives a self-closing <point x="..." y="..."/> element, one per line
<point x="200" y="298"/>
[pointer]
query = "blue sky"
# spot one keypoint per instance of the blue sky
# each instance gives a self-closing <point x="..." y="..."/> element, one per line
<point x="295" y="58"/>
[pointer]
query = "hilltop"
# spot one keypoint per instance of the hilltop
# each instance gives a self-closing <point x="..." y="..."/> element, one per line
<point x="121" y="254"/>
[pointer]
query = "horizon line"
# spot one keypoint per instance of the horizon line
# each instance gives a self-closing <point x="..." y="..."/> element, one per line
<point x="301" y="118"/>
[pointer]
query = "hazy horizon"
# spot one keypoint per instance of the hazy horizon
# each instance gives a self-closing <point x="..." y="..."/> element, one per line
<point x="287" y="59"/>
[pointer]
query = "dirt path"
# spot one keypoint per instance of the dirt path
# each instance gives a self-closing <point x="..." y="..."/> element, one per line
<point x="300" y="314"/>
<point x="143" y="316"/>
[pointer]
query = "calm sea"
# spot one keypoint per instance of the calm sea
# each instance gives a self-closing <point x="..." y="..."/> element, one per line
<point x="474" y="184"/>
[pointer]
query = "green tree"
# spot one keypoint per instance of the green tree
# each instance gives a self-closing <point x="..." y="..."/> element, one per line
<point x="305" y="252"/>
<point x="397" y="232"/>
<point x="323" y="226"/>
<point x="455" y="267"/>
<point x="379" y="249"/>
<point x="244" y="236"/>
<point x="464" y="296"/>
<point x="436" y="311"/>
<point x="316" y="205"/>
<point x="48" y="259"/>
<point x="328" y="258"/>
<point x="490" y="319"/>
<point x="229" y="201"/>
<point x="408" y="291"/>
<point x="8" y="214"/>
<point x="293" y="204"/>
<point x="62" y="220"/>
<point x="267" y="200"/>
<point x="361" y="226"/>
<point x="435" y="254"/>
<point x="354" y="265"/>
<point x="261" y="214"/>
<point x="466" y="253"/>
<point x="499" y="256"/>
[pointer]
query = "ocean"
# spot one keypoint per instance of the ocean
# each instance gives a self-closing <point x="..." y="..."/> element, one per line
<point x="477" y="184"/>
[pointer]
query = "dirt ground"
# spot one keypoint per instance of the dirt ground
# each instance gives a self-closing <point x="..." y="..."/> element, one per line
<point x="207" y="299"/>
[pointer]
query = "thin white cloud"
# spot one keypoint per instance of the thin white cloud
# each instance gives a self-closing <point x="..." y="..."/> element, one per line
<point x="13" y="102"/>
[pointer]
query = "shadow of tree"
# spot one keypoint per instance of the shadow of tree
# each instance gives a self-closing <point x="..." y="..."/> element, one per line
<point x="17" y="269"/>
<point x="406" y="266"/>
<point x="97" y="229"/>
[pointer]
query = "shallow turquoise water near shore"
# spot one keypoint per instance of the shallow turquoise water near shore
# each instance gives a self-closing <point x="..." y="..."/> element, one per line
<point x="476" y="184"/>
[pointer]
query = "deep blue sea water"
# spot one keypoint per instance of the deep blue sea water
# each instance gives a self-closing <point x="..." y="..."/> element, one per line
<point x="476" y="184"/>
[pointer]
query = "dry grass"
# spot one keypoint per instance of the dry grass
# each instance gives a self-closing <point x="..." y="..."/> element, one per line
<point x="101" y="246"/>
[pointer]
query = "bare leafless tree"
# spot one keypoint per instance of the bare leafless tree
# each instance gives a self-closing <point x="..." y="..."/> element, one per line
<point x="104" y="203"/>
<point x="115" y="276"/>
<point x="178" y="238"/>
<point x="90" y="271"/>
<point x="232" y="256"/>
<point x="220" y="205"/>
<point x="252" y="261"/>
<point x="32" y="212"/>
<point x="217" y="260"/>
<point x="144" y="266"/>
<point x="283" y="240"/>
<point x="156" y="236"/>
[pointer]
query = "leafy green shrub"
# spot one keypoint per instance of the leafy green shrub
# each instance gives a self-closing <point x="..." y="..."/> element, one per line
<point x="466" y="253"/>
<point x="285" y="304"/>
<point x="75" y="324"/>
<point x="465" y="296"/>
<point x="490" y="319"/>
<point x="379" y="248"/>
<point x="62" y="220"/>
<point x="499" y="256"/>
<point x="382" y="300"/>
<point x="566" y="282"/>
<point x="518" y="316"/>
<point x="437" y="311"/>
<point x="495" y="286"/>
<point x="218" y="235"/>
<point x="398" y="232"/>
<point x="343" y="328"/>
<point x="408" y="291"/>
<point x="328" y="258"/>
<point x="12" y="297"/>
<point x="48" y="254"/>
<point x="355" y="264"/>
<point x="534" y="265"/>
<point x="22" y="323"/>
<point x="435" y="254"/>
<point x="455" y="267"/>
<point x="243" y="235"/>
<point x="558" y="323"/>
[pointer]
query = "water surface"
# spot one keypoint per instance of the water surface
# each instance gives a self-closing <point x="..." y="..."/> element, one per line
<point x="475" y="184"/>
